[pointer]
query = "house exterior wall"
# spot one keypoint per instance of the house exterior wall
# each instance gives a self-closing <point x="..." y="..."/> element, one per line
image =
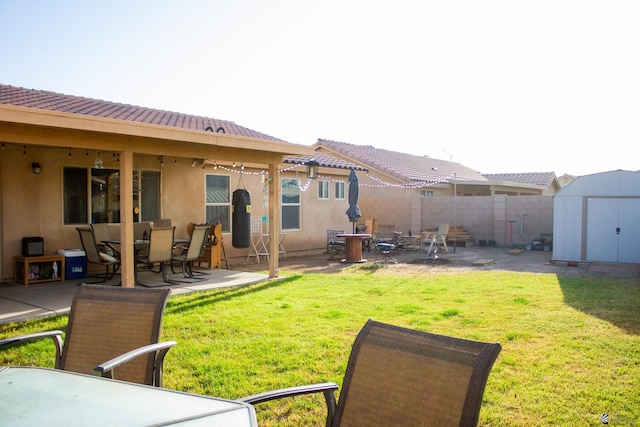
<point x="32" y="204"/>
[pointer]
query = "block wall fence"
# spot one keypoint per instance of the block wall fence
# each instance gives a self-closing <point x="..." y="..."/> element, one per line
<point x="489" y="218"/>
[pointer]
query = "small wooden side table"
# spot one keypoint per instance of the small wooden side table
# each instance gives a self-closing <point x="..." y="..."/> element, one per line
<point x="36" y="269"/>
<point x="353" y="249"/>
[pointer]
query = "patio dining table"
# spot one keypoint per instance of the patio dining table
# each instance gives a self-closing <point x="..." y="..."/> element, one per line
<point x="140" y="243"/>
<point x="49" y="397"/>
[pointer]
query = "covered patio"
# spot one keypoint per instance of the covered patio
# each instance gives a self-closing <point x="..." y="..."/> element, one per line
<point x="58" y="131"/>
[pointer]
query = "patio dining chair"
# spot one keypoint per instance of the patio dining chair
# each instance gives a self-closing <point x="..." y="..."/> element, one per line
<point x="335" y="244"/>
<point x="403" y="377"/>
<point x="112" y="332"/>
<point x="102" y="236"/>
<point x="194" y="250"/>
<point x="95" y="256"/>
<point x="160" y="252"/>
<point x="387" y="248"/>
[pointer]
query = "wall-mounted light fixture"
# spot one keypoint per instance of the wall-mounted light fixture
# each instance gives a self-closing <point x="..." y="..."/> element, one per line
<point x="312" y="169"/>
<point x="36" y="168"/>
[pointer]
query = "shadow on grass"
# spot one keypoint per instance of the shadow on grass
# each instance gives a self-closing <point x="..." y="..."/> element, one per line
<point x="188" y="302"/>
<point x="614" y="300"/>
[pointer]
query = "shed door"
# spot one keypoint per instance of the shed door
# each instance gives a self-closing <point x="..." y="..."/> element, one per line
<point x="613" y="230"/>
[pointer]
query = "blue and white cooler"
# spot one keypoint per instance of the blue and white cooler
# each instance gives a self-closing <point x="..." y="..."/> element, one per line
<point x="75" y="263"/>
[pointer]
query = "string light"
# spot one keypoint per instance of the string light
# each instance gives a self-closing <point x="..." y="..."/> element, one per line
<point x="379" y="183"/>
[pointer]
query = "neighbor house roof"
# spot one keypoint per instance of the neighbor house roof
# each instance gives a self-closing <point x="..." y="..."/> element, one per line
<point x="404" y="167"/>
<point x="53" y="101"/>
<point x="324" y="160"/>
<point x="536" y="178"/>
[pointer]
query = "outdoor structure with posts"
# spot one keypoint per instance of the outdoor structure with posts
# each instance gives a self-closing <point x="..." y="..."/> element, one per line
<point x="54" y="146"/>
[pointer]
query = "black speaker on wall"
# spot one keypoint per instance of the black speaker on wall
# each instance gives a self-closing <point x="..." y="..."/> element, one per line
<point x="32" y="246"/>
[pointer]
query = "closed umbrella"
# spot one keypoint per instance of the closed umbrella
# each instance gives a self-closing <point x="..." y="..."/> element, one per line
<point x="354" y="211"/>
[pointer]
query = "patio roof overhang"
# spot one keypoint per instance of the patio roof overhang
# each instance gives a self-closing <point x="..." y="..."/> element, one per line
<point x="32" y="126"/>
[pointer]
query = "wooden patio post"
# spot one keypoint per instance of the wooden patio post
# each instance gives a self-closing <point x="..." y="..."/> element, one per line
<point x="126" y="219"/>
<point x="275" y="191"/>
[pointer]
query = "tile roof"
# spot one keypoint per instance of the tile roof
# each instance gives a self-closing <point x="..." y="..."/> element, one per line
<point x="52" y="101"/>
<point x="324" y="160"/>
<point x="405" y="167"/>
<point x="535" y="178"/>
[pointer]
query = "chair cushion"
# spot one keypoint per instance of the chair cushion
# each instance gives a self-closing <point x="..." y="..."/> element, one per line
<point x="107" y="258"/>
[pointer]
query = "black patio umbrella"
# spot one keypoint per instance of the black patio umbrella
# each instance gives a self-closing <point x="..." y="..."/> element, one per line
<point x="354" y="211"/>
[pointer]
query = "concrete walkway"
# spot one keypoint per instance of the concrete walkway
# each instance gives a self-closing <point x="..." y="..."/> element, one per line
<point x="19" y="302"/>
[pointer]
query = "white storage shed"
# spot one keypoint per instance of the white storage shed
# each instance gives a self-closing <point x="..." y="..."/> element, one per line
<point x="597" y="218"/>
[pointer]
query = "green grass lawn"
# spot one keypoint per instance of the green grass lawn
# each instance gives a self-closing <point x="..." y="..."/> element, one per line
<point x="571" y="345"/>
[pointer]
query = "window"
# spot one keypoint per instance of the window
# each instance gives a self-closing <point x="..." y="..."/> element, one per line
<point x="147" y="195"/>
<point x="93" y="195"/>
<point x="218" y="200"/>
<point x="323" y="190"/>
<point x="105" y="195"/>
<point x="290" y="204"/>
<point x="75" y="195"/>
<point x="426" y="193"/>
<point x="339" y="190"/>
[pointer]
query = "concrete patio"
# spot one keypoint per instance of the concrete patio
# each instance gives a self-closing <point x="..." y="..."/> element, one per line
<point x="19" y="302"/>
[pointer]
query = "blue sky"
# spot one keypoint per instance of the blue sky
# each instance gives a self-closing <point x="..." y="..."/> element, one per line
<point x="499" y="86"/>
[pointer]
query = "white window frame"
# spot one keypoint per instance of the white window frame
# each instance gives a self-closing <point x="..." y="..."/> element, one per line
<point x="339" y="190"/>
<point x="323" y="189"/>
<point x="287" y="206"/>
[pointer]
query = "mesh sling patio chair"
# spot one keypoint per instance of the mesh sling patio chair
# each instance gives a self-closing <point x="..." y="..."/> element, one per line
<point x="403" y="377"/>
<point x="95" y="256"/>
<point x="194" y="250"/>
<point x="102" y="236"/>
<point x="160" y="252"/>
<point x="113" y="332"/>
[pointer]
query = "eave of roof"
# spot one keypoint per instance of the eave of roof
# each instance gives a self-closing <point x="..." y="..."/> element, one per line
<point x="544" y="179"/>
<point x="48" y="109"/>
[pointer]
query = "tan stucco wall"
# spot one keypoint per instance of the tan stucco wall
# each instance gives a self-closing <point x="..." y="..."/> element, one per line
<point x="32" y="204"/>
<point x="484" y="217"/>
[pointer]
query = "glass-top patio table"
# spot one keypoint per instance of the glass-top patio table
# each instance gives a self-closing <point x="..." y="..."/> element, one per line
<point x="47" y="397"/>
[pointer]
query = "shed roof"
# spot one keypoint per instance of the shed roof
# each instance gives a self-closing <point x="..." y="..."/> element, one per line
<point x="618" y="183"/>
